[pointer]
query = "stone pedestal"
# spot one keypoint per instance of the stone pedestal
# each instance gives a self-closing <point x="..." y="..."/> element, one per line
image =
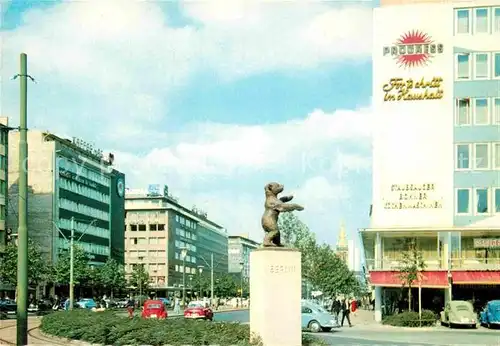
<point x="275" y="296"/>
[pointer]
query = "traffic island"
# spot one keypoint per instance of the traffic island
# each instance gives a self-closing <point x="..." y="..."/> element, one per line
<point x="108" y="328"/>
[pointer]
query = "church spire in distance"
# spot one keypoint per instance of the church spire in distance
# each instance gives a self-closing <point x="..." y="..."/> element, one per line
<point x="342" y="241"/>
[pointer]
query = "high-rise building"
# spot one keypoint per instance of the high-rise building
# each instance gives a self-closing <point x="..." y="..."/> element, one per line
<point x="70" y="184"/>
<point x="239" y="248"/>
<point x="436" y="149"/>
<point x="159" y="231"/>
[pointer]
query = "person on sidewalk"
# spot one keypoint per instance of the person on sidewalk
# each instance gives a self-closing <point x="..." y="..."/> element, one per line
<point x="177" y="305"/>
<point x="130" y="307"/>
<point x="346" y="310"/>
<point x="354" y="306"/>
<point x="336" y="307"/>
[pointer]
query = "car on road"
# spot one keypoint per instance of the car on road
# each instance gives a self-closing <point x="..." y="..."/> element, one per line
<point x="459" y="313"/>
<point x="154" y="309"/>
<point x="86" y="303"/>
<point x="8" y="307"/>
<point x="165" y="301"/>
<point x="198" y="310"/>
<point x="316" y="318"/>
<point x="490" y="316"/>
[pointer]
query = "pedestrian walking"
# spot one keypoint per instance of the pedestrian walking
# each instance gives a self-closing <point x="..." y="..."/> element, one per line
<point x="177" y="305"/>
<point x="336" y="307"/>
<point x="354" y="306"/>
<point x="346" y="310"/>
<point x="130" y="307"/>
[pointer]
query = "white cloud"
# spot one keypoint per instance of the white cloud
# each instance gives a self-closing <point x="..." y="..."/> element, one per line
<point x="124" y="59"/>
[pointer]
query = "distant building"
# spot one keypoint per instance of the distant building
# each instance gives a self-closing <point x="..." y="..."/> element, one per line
<point x="158" y="228"/>
<point x="239" y="248"/>
<point x="342" y="249"/>
<point x="68" y="179"/>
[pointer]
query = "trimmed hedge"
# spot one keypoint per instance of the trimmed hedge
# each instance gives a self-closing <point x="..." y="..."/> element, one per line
<point x="106" y="328"/>
<point x="411" y="319"/>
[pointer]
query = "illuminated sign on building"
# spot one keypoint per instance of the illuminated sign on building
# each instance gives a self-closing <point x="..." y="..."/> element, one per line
<point x="399" y="89"/>
<point x="89" y="148"/>
<point x="413" y="49"/>
<point x="412" y="196"/>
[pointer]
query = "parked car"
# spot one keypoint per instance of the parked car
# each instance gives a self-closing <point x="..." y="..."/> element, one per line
<point x="86" y="303"/>
<point x="199" y="310"/>
<point x="122" y="303"/>
<point x="316" y="318"/>
<point x="490" y="316"/>
<point x="8" y="307"/>
<point x="40" y="307"/>
<point x="459" y="312"/>
<point x="154" y="309"/>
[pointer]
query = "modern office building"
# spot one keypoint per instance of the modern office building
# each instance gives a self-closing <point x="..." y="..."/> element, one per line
<point x="69" y="180"/>
<point x="239" y="248"/>
<point x="436" y="148"/>
<point x="4" y="200"/>
<point x="159" y="230"/>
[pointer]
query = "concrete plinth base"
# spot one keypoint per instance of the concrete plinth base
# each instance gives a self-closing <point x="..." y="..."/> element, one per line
<point x="275" y="296"/>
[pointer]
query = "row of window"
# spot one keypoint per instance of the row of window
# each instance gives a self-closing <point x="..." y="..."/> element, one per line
<point x="143" y="227"/>
<point x="191" y="259"/>
<point x="479" y="156"/>
<point x="186" y="234"/>
<point x="146" y="241"/>
<point x="477" y="21"/>
<point x="477" y="111"/>
<point x="83" y="190"/>
<point x="84" y="227"/>
<point x="87" y="247"/>
<point x="185" y="222"/>
<point x="478" y="201"/>
<point x="82" y="171"/>
<point x="83" y="209"/>
<point x="189" y="270"/>
<point x="480" y="66"/>
<point x="183" y="245"/>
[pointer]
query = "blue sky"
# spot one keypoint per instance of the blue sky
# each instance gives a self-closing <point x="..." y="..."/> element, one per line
<point x="214" y="99"/>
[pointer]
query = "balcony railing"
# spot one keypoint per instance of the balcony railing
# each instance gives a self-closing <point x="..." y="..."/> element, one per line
<point x="469" y="263"/>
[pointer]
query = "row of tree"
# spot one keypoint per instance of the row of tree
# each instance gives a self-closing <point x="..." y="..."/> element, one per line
<point x="107" y="278"/>
<point x="321" y="266"/>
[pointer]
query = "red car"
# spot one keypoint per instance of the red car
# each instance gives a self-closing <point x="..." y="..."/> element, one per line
<point x="154" y="309"/>
<point x="198" y="310"/>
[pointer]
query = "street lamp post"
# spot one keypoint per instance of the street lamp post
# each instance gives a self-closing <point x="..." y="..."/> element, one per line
<point x="72" y="259"/>
<point x="242" y="266"/>
<point x="200" y="270"/>
<point x="183" y="255"/>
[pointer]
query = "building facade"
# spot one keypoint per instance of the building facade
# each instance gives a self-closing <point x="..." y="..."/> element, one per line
<point x="69" y="185"/>
<point x="239" y="248"/>
<point x="158" y="232"/>
<point x="4" y="200"/>
<point x="436" y="148"/>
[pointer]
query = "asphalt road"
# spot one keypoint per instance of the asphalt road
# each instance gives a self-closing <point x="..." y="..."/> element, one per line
<point x="379" y="335"/>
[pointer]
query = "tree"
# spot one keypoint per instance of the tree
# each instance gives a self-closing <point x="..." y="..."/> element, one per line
<point x="411" y="265"/>
<point x="226" y="285"/>
<point x="201" y="283"/>
<point x="38" y="271"/>
<point x="81" y="270"/>
<point x="112" y="276"/>
<point x="331" y="275"/>
<point x="296" y="234"/>
<point x="139" y="278"/>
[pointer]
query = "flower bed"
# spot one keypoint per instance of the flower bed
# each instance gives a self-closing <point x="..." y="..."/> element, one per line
<point x="106" y="328"/>
<point x="411" y="319"/>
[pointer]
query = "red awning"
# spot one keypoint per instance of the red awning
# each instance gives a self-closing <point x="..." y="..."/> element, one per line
<point x="430" y="279"/>
<point x="476" y="277"/>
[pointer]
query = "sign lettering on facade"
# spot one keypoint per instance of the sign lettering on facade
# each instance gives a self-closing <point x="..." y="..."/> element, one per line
<point x="399" y="89"/>
<point x="281" y="269"/>
<point x="486" y="243"/>
<point x="412" y="196"/>
<point x="413" y="49"/>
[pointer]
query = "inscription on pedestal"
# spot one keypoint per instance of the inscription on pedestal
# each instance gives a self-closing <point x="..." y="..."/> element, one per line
<point x="281" y="269"/>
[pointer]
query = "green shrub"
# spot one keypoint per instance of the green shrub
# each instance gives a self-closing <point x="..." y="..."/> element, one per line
<point x="411" y="319"/>
<point x="106" y="328"/>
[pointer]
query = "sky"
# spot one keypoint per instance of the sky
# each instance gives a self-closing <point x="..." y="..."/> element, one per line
<point x="213" y="98"/>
